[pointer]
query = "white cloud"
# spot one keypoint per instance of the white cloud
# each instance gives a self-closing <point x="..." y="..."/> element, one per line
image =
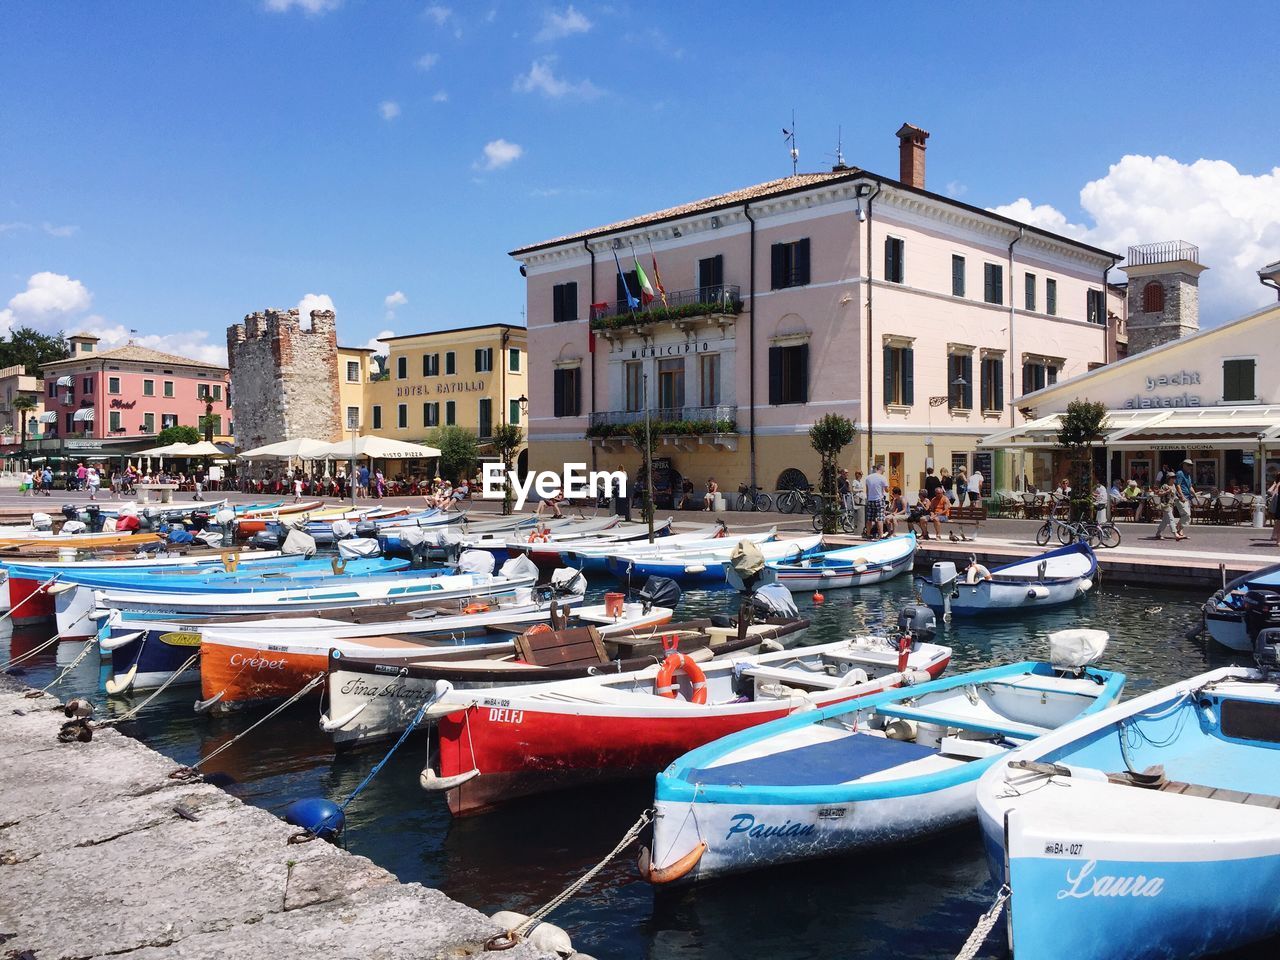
<point x="541" y="78"/>
<point x="1233" y="217"/>
<point x="955" y="188"/>
<point x="375" y="343"/>
<point x="193" y="344"/>
<point x="491" y="16"/>
<point x="440" y="96"/>
<point x="69" y="230"/>
<point x="313" y="301"/>
<point x="397" y="299"/>
<point x="309" y="7"/>
<point x="499" y="153"/>
<point x="428" y="60"/>
<point x="388" y="109"/>
<point x="49" y="296"/>
<point x="556" y="24"/>
<point x="440" y="14"/>
<point x="14" y="227"/>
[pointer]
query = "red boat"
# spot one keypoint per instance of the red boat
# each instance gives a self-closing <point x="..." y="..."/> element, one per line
<point x="498" y="744"/>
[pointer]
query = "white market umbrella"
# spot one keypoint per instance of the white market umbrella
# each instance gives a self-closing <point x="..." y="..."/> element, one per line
<point x="377" y="448"/>
<point x="303" y="448"/>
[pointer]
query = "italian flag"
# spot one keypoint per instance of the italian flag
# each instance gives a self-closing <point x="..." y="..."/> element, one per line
<point x="646" y="288"/>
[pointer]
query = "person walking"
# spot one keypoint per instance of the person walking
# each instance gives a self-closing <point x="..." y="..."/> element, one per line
<point x="1186" y="491"/>
<point x="1273" y="505"/>
<point x="1164" y="496"/>
<point x="975" y="486"/>
<point x="28" y="481"/>
<point x="877" y="488"/>
<point x="845" y="489"/>
<point x="46" y="480"/>
<point x="94" y="481"/>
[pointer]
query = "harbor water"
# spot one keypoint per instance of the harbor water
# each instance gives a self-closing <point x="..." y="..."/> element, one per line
<point x="912" y="902"/>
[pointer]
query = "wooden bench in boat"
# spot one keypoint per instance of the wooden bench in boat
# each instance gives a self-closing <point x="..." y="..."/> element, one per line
<point x="580" y="646"/>
<point x="1006" y="728"/>
<point x="1153" y="779"/>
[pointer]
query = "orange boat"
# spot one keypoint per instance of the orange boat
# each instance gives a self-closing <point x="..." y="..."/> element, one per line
<point x="255" y="521"/>
<point x="51" y="543"/>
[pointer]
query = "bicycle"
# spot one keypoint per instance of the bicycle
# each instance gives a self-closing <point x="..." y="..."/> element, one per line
<point x="800" y="501"/>
<point x="752" y="498"/>
<point x="1084" y="531"/>
<point x="845" y="520"/>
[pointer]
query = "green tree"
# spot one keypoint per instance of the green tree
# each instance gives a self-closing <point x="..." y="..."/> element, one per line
<point x="643" y="439"/>
<point x="459" y="455"/>
<point x="1083" y="424"/>
<point x="177" y="434"/>
<point x="828" y="436"/>
<point x="32" y="349"/>
<point x="22" y="406"/>
<point x="507" y="438"/>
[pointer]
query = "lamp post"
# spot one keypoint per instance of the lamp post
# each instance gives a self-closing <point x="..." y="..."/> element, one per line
<point x="648" y="459"/>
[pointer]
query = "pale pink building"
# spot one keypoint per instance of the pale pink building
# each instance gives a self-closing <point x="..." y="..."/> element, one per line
<point x="920" y="318"/>
<point x="116" y="401"/>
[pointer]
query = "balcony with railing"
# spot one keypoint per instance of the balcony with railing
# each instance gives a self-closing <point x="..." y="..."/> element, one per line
<point x="718" y="303"/>
<point x="1169" y="251"/>
<point x="681" y="427"/>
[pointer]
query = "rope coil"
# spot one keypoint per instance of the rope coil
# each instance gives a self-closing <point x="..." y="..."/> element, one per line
<point x="985" y="923"/>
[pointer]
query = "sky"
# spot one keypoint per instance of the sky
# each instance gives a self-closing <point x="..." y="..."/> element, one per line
<point x="167" y="168"/>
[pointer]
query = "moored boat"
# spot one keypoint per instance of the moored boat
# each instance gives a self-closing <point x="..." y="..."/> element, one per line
<point x="1048" y="580"/>
<point x="1224" y="612"/>
<point x="854" y="566"/>
<point x="703" y="565"/>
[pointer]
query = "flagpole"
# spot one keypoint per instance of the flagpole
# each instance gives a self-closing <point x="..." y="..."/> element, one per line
<point x="662" y="291"/>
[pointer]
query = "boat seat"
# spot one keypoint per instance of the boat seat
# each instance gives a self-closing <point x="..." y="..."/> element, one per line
<point x="812" y="681"/>
<point x="1156" y="781"/>
<point x="831" y="761"/>
<point x="1007" y="728"/>
<point x="580" y="646"/>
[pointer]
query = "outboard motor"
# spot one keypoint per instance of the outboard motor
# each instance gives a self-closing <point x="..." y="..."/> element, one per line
<point x="343" y="530"/>
<point x="943" y="574"/>
<point x="365" y="529"/>
<point x="70" y="511"/>
<point x="659" y="592"/>
<point x="41" y="521"/>
<point x="568" y="582"/>
<point x="199" y="520"/>
<point x="772" y="601"/>
<point x="918" y="623"/>
<point x="93" y="513"/>
<point x="1262" y="623"/>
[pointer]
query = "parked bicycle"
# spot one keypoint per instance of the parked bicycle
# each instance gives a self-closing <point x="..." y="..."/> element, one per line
<point x="845" y="519"/>
<point x="1082" y="531"/>
<point x="752" y="498"/>
<point x="800" y="501"/>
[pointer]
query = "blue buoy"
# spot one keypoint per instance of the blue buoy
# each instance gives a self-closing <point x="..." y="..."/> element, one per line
<point x="318" y="816"/>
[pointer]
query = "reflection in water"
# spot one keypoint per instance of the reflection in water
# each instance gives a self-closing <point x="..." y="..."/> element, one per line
<point x="912" y="902"/>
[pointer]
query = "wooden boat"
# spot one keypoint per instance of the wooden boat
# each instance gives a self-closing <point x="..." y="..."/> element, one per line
<point x="592" y="556"/>
<point x="706" y="566"/>
<point x="548" y="553"/>
<point x="854" y="566"/>
<point x="255" y="521"/>
<point x="1049" y="580"/>
<point x="1224" y="612"/>
<point x="1150" y="830"/>
<point x="889" y="768"/>
<point x="500" y="744"/>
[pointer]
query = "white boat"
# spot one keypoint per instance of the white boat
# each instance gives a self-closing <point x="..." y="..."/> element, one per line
<point x="1151" y="830"/>
<point x="1224" y="612"/>
<point x="1048" y="580"/>
<point x="889" y="768"/>
<point x="855" y="566"/>
<point x="706" y="565"/>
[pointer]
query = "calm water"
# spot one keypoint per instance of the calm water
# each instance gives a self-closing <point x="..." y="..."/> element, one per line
<point x="910" y="902"/>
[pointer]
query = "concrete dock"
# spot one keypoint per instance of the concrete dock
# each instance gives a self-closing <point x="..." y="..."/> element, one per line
<point x="96" y="861"/>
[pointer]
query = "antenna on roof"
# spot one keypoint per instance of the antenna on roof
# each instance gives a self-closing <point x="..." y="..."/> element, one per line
<point x="790" y="137"/>
<point x="840" y="164"/>
<point x="132" y="334"/>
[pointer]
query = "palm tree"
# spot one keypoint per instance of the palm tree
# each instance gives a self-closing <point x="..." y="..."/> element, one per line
<point x="23" y="405"/>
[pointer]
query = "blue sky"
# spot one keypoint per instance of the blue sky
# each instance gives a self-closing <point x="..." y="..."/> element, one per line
<point x="171" y="167"/>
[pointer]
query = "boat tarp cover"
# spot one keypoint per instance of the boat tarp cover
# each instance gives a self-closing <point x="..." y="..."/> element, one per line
<point x="1071" y="649"/>
<point x="660" y="592"/>
<point x="298" y="544"/>
<point x="815" y="764"/>
<point x="746" y="559"/>
<point x="519" y="567"/>
<point x="476" y="561"/>
<point x="358" y="547"/>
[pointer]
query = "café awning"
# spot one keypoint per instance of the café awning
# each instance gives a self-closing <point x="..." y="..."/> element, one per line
<point x="1217" y="428"/>
<point x="65" y="381"/>
<point x="83" y="415"/>
<point x="49" y="416"/>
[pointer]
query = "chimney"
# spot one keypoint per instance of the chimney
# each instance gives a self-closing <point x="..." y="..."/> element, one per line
<point x="911" y="155"/>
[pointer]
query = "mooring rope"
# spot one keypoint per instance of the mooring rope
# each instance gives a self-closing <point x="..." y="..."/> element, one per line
<point x="507" y="940"/>
<point x="84" y="652"/>
<point x="40" y="589"/>
<point x="32" y="652"/>
<point x="133" y="712"/>
<point x="983" y="928"/>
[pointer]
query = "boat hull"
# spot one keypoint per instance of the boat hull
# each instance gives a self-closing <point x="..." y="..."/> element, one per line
<point x="994" y="596"/>
<point x="837" y="576"/>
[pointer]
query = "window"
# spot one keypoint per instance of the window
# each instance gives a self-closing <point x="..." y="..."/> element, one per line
<point x="402" y="368"/>
<point x="564" y="302"/>
<point x="486" y="418"/>
<point x="168" y="388"/>
<point x="789" y="374"/>
<point x="1095" y="310"/>
<point x="168" y="420"/>
<point x="1036" y="375"/>
<point x="513" y="359"/>
<point x="709" y="379"/>
<point x="1237" y="380"/>
<point x="893" y="253"/>
<point x="671" y="385"/>
<point x="86" y="348"/>
<point x="634" y="384"/>
<point x="450" y="412"/>
<point x="353" y="418"/>
<point x="431" y="414"/>
<point x="960" y="381"/>
<point x="450" y="364"/>
<point x="88" y="384"/>
<point x="566" y="385"/>
<point x="431" y="364"/>
<point x="899" y="376"/>
<point x="1153" y="297"/>
<point x="993" y="283"/>
<point x="148" y="423"/>
<point x="957" y="275"/>
<point x="70" y="424"/>
<point x="377" y="417"/>
<point x="710" y="278"/>
<point x="113" y="385"/>
<point x="790" y="264"/>
<point x="216" y="391"/>
<point x="402" y="415"/>
<point x="53" y="388"/>
<point x="148" y="388"/>
<point x="114" y="424"/>
<point x="353" y="371"/>
<point x="215" y="422"/>
<point x="1029" y="285"/>
<point x="1051" y="296"/>
<point x="992" y="383"/>
<point x="484" y="360"/>
<point x="513" y="412"/>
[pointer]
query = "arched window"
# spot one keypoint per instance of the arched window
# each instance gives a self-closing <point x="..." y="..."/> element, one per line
<point x="1153" y="298"/>
<point x="793" y="478"/>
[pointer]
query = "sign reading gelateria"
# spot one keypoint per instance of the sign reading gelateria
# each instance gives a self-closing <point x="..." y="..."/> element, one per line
<point x="1182" y="378"/>
<point x="452" y="386"/>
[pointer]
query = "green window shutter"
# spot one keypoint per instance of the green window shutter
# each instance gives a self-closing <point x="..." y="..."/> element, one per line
<point x="801" y="265"/>
<point x="908" y="376"/>
<point x="778" y="254"/>
<point x="888" y="375"/>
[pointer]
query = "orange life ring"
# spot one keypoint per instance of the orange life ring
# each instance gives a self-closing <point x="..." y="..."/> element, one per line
<point x="476" y="608"/>
<point x="664" y="683"/>
<point x="538" y="536"/>
<point x="538" y="628"/>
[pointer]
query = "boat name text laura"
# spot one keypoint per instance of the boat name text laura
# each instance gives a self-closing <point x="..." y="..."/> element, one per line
<point x="1083" y="885"/>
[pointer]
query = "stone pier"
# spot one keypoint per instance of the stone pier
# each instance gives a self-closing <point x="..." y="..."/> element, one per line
<point x="96" y="861"/>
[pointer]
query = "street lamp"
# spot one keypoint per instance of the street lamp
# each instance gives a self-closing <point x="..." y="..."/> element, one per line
<point x="524" y="403"/>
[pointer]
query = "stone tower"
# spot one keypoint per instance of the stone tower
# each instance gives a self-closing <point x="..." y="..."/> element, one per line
<point x="1163" y="299"/>
<point x="284" y="379"/>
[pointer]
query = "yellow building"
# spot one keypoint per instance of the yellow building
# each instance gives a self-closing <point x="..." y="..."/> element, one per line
<point x="354" y="372"/>
<point x="474" y="378"/>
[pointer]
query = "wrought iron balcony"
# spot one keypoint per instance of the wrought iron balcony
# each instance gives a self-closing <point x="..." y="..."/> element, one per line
<point x="1166" y="252"/>
<point x="720" y="300"/>
<point x="688" y="421"/>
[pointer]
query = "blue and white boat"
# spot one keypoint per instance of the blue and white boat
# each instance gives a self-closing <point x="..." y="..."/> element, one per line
<point x="1049" y="580"/>
<point x="882" y="769"/>
<point x="855" y="566"/>
<point x="702" y="565"/>
<point x="594" y="557"/>
<point x="1151" y="830"/>
<point x="1224" y="618"/>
